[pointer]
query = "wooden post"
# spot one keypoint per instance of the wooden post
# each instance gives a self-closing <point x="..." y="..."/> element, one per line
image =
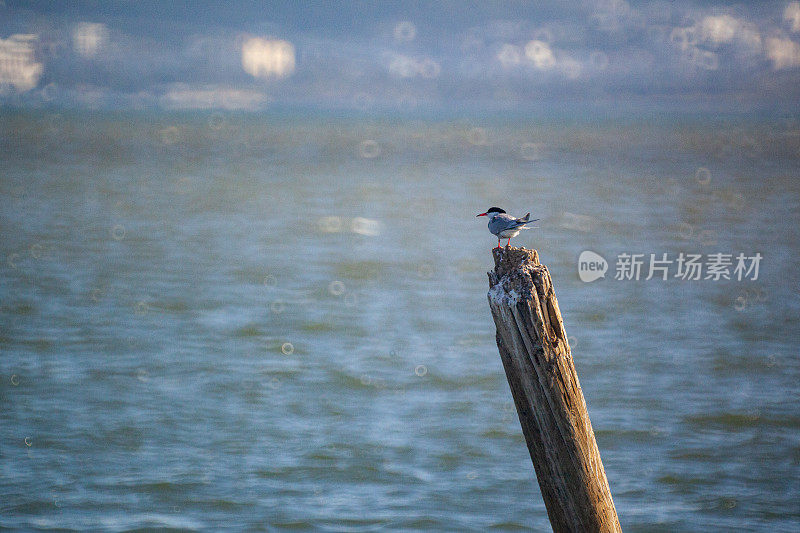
<point x="538" y="363"/>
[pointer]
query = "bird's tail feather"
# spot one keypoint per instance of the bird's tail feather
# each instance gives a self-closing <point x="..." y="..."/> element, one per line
<point x="525" y="220"/>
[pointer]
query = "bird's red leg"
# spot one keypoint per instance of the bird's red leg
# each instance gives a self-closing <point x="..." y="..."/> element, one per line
<point x="498" y="243"/>
<point x="508" y="243"/>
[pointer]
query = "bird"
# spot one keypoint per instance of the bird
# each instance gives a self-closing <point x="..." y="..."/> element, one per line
<point x="505" y="226"/>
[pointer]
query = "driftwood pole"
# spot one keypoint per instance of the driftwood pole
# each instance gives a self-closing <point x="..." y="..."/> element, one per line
<point x="538" y="364"/>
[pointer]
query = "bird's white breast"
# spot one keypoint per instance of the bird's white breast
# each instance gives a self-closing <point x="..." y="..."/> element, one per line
<point x="508" y="234"/>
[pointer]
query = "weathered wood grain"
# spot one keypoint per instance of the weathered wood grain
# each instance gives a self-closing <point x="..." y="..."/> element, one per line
<point x="552" y="411"/>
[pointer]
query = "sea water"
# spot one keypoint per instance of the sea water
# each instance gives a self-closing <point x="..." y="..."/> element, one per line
<point x="278" y="321"/>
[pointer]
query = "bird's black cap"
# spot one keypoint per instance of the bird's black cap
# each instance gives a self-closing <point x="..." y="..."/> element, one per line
<point x="495" y="210"/>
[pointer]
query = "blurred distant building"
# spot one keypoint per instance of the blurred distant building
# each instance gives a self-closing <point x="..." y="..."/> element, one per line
<point x="18" y="67"/>
<point x="88" y="38"/>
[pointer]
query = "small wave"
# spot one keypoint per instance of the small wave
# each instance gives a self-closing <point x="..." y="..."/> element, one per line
<point x="250" y="330"/>
<point x="738" y="420"/>
<point x="509" y="526"/>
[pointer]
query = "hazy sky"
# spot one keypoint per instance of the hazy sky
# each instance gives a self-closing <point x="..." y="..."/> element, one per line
<point x="252" y="55"/>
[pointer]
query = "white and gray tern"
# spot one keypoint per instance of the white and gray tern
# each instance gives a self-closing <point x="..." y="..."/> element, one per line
<point x="503" y="225"/>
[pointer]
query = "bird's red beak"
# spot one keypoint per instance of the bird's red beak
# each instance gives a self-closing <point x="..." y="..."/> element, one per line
<point x="481" y="215"/>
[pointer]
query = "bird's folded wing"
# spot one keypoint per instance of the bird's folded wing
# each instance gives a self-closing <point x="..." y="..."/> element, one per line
<point x="522" y="221"/>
